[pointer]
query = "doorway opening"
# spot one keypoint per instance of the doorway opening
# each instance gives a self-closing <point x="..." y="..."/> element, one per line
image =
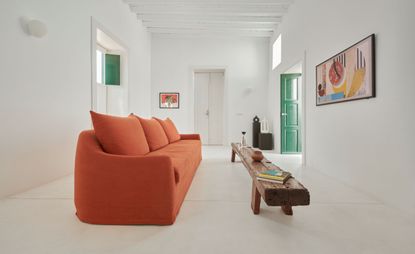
<point x="209" y="90"/>
<point x="109" y="72"/>
<point x="291" y="115"/>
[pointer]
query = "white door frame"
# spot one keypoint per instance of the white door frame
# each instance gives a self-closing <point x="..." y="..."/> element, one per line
<point x="303" y="107"/>
<point x="304" y="111"/>
<point x="191" y="101"/>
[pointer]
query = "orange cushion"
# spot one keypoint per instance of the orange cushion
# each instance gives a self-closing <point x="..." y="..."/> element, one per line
<point x="156" y="137"/>
<point x="170" y="129"/>
<point x="120" y="135"/>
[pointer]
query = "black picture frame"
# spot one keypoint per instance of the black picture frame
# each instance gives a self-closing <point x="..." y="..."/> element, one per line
<point x="372" y="61"/>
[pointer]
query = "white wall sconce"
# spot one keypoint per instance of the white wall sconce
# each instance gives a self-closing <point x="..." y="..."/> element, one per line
<point x="247" y="91"/>
<point x="37" y="28"/>
<point x="34" y="27"/>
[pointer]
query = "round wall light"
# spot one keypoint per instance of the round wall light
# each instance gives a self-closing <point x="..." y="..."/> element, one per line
<point x="37" y="28"/>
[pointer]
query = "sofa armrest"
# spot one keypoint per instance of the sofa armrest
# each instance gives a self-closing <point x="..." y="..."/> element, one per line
<point x="189" y="136"/>
<point x="119" y="189"/>
<point x="119" y="173"/>
<point x="140" y="182"/>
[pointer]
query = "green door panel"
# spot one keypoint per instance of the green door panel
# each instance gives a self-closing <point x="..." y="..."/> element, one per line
<point x="292" y="141"/>
<point x="112" y="69"/>
<point x="291" y="91"/>
<point x="290" y="114"/>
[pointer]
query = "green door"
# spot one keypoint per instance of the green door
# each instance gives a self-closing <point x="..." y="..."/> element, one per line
<point x="290" y="113"/>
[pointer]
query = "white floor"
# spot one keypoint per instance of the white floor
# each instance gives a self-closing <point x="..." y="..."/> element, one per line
<point x="215" y="218"/>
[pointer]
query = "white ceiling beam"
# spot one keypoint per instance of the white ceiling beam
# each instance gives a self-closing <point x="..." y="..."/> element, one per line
<point x="212" y="32"/>
<point x="201" y="35"/>
<point x="212" y="2"/>
<point x="195" y="10"/>
<point x="207" y="25"/>
<point x="210" y="5"/>
<point x="209" y="18"/>
<point x="258" y="18"/>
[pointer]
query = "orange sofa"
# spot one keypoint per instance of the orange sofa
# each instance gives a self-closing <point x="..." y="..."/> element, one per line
<point x="133" y="189"/>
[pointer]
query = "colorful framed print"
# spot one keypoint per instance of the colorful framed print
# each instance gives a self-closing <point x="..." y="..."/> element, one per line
<point x="169" y="100"/>
<point x="347" y="76"/>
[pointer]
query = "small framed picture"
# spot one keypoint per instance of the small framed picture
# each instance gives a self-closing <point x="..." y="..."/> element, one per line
<point x="169" y="100"/>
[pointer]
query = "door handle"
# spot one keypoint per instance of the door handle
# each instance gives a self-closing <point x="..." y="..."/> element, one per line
<point x="207" y="112"/>
<point x="283" y="114"/>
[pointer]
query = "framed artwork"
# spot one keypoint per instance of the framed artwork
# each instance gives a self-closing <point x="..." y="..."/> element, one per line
<point x="169" y="100"/>
<point x="349" y="75"/>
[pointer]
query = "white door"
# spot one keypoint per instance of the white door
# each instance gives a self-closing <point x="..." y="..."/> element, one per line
<point x="108" y="99"/>
<point x="202" y="106"/>
<point x="111" y="99"/>
<point x="101" y="88"/>
<point x="216" y="108"/>
<point x="209" y="87"/>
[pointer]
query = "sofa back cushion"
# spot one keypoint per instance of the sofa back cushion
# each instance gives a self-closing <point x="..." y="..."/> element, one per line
<point x="170" y="129"/>
<point x="155" y="135"/>
<point x="120" y="135"/>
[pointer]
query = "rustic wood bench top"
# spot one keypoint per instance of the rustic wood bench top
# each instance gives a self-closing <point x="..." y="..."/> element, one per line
<point x="291" y="193"/>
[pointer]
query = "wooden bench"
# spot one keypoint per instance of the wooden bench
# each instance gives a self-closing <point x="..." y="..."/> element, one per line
<point x="291" y="193"/>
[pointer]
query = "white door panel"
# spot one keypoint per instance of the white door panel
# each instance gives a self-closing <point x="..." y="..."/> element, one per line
<point x="209" y="89"/>
<point x="201" y="81"/>
<point x="101" y="98"/>
<point x="116" y="101"/>
<point x="215" y="108"/>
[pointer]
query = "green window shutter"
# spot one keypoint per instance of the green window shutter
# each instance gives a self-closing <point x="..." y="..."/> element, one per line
<point x="112" y="69"/>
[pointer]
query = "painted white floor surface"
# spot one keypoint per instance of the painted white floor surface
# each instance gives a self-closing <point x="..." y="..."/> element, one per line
<point x="215" y="218"/>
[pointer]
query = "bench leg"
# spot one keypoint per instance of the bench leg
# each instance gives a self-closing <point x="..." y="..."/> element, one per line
<point x="287" y="209"/>
<point x="233" y="156"/>
<point x="256" y="199"/>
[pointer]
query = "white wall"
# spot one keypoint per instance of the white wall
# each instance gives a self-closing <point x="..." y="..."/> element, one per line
<point x="367" y="143"/>
<point x="246" y="63"/>
<point x="46" y="83"/>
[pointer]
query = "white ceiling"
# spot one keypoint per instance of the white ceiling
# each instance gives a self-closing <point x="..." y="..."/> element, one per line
<point x="256" y="18"/>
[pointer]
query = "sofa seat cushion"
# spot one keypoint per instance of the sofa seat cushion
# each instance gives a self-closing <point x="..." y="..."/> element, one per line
<point x="170" y="129"/>
<point x="156" y="137"/>
<point x="120" y="135"/>
<point x="185" y="156"/>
